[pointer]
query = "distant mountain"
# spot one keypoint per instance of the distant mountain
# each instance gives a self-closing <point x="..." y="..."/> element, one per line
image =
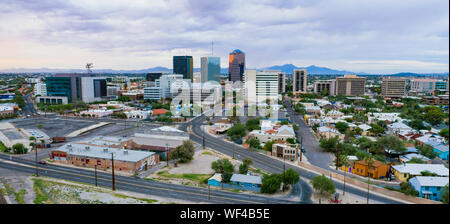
<point x="312" y="69"/>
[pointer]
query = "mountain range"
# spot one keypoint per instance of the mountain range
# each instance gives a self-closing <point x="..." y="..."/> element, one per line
<point x="287" y="68"/>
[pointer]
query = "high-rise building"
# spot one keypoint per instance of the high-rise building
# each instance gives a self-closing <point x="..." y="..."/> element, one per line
<point x="393" y="87"/>
<point x="184" y="65"/>
<point x="261" y="85"/>
<point x="236" y="66"/>
<point x="77" y="87"/>
<point x="40" y="89"/>
<point x="350" y="85"/>
<point x="428" y="86"/>
<point x="152" y="76"/>
<point x="325" y="87"/>
<point x="299" y="82"/>
<point x="281" y="82"/>
<point x="210" y="69"/>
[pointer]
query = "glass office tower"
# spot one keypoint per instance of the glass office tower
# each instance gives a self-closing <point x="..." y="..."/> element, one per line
<point x="184" y="65"/>
<point x="236" y="65"/>
<point x="210" y="69"/>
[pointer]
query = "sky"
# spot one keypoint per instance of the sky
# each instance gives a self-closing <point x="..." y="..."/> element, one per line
<point x="376" y="36"/>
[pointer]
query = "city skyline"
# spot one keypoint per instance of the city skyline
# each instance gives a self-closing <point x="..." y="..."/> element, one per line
<point x="376" y="37"/>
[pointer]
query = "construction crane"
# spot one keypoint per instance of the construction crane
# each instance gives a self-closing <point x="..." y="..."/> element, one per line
<point x="88" y="67"/>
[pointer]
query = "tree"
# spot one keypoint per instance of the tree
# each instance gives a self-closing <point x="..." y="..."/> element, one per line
<point x="271" y="183"/>
<point x="291" y="140"/>
<point x="427" y="151"/>
<point x="19" y="148"/>
<point x="284" y="122"/>
<point x="124" y="99"/>
<point x="254" y="143"/>
<point x="341" y="126"/>
<point x="237" y="131"/>
<point x="391" y="143"/>
<point x="268" y="146"/>
<point x="184" y="153"/>
<point x="253" y="124"/>
<point x="433" y="115"/>
<point x="323" y="186"/>
<point x="417" y="124"/>
<point x="444" y="133"/>
<point x="329" y="145"/>
<point x="222" y="166"/>
<point x="444" y="194"/>
<point x="290" y="177"/>
<point x="243" y="168"/>
<point x="376" y="129"/>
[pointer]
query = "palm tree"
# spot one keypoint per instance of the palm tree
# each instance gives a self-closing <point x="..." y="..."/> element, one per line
<point x="344" y="161"/>
<point x="369" y="160"/>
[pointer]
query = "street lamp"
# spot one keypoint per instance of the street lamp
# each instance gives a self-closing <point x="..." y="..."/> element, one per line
<point x="167" y="154"/>
<point x="113" y="178"/>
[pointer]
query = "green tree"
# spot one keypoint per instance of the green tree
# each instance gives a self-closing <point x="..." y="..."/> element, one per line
<point x="291" y="140"/>
<point x="341" y="126"/>
<point x="268" y="145"/>
<point x="290" y="177"/>
<point x="237" y="131"/>
<point x="184" y="153"/>
<point x="243" y="168"/>
<point x="391" y="143"/>
<point x="19" y="148"/>
<point x="222" y="166"/>
<point x="329" y="145"/>
<point x="376" y="129"/>
<point x="444" y="133"/>
<point x="254" y="143"/>
<point x="433" y="115"/>
<point x="444" y="194"/>
<point x="417" y="124"/>
<point x="323" y="186"/>
<point x="427" y="151"/>
<point x="124" y="99"/>
<point x="271" y="183"/>
<point x="253" y="124"/>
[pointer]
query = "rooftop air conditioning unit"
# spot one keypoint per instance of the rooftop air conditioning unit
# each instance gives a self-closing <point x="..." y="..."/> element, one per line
<point x="105" y="150"/>
<point x="125" y="152"/>
<point x="87" y="148"/>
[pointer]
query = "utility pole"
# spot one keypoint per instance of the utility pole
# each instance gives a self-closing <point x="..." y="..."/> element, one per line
<point x="301" y="148"/>
<point x="209" y="192"/>
<point x="167" y="154"/>
<point x="284" y="171"/>
<point x="113" y="178"/>
<point x="35" y="152"/>
<point x="203" y="137"/>
<point x="95" y="168"/>
<point x="368" y="185"/>
<point x="345" y="174"/>
<point x="233" y="149"/>
<point x="337" y="157"/>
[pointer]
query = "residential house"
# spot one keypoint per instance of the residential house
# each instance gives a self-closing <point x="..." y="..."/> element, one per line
<point x="408" y="170"/>
<point x="215" y="180"/>
<point x="429" y="187"/>
<point x="441" y="150"/>
<point x="398" y="127"/>
<point x="246" y="182"/>
<point x="365" y="129"/>
<point x="378" y="170"/>
<point x="285" y="150"/>
<point x="328" y="132"/>
<point x="406" y="158"/>
<point x="277" y="133"/>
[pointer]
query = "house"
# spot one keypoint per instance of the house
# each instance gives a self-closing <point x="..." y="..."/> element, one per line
<point x="246" y="182"/>
<point x="407" y="170"/>
<point x="138" y="114"/>
<point x="378" y="170"/>
<point x="285" y="150"/>
<point x="215" y="180"/>
<point x="430" y="139"/>
<point x="365" y="129"/>
<point x="429" y="187"/>
<point x="441" y="150"/>
<point x="334" y="114"/>
<point x="327" y="132"/>
<point x="398" y="127"/>
<point x="406" y="158"/>
<point x="277" y="133"/>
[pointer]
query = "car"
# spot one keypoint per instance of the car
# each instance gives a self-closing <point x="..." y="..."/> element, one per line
<point x="42" y="162"/>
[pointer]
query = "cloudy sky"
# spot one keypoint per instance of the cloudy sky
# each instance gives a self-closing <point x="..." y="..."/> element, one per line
<point x="376" y="36"/>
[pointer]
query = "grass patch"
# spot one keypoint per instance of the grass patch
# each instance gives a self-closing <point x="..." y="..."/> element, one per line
<point x="188" y="176"/>
<point x="41" y="197"/>
<point x="206" y="153"/>
<point x="19" y="196"/>
<point x="8" y="188"/>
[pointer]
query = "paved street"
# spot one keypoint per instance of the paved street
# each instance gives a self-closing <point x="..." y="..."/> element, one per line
<point x="314" y="153"/>
<point x="269" y="164"/>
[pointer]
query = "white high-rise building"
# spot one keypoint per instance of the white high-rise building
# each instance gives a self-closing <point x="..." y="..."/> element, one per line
<point x="261" y="85"/>
<point x="40" y="88"/>
<point x="93" y="89"/>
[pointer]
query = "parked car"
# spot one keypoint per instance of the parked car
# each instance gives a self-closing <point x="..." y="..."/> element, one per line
<point x="42" y="162"/>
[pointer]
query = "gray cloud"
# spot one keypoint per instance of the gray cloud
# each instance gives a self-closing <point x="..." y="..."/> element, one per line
<point x="324" y="32"/>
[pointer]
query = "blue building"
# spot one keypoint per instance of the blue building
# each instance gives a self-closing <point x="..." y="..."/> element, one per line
<point x="441" y="150"/>
<point x="429" y="187"/>
<point x="238" y="181"/>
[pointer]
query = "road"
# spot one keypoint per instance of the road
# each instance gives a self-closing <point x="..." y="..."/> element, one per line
<point x="316" y="156"/>
<point x="132" y="184"/>
<point x="269" y="164"/>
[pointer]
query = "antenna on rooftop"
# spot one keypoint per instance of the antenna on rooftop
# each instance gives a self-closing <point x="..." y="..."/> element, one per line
<point x="212" y="48"/>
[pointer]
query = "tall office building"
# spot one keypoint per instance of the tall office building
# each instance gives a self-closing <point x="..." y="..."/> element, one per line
<point x="152" y="76"/>
<point x="393" y="87"/>
<point x="210" y="69"/>
<point x="236" y="66"/>
<point x="261" y="85"/>
<point x="184" y="65"/>
<point x="281" y="82"/>
<point x="77" y="87"/>
<point x="428" y="86"/>
<point x="299" y="82"/>
<point x="350" y="85"/>
<point x="325" y="87"/>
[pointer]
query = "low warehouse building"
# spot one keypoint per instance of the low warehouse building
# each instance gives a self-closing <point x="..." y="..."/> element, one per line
<point x="124" y="160"/>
